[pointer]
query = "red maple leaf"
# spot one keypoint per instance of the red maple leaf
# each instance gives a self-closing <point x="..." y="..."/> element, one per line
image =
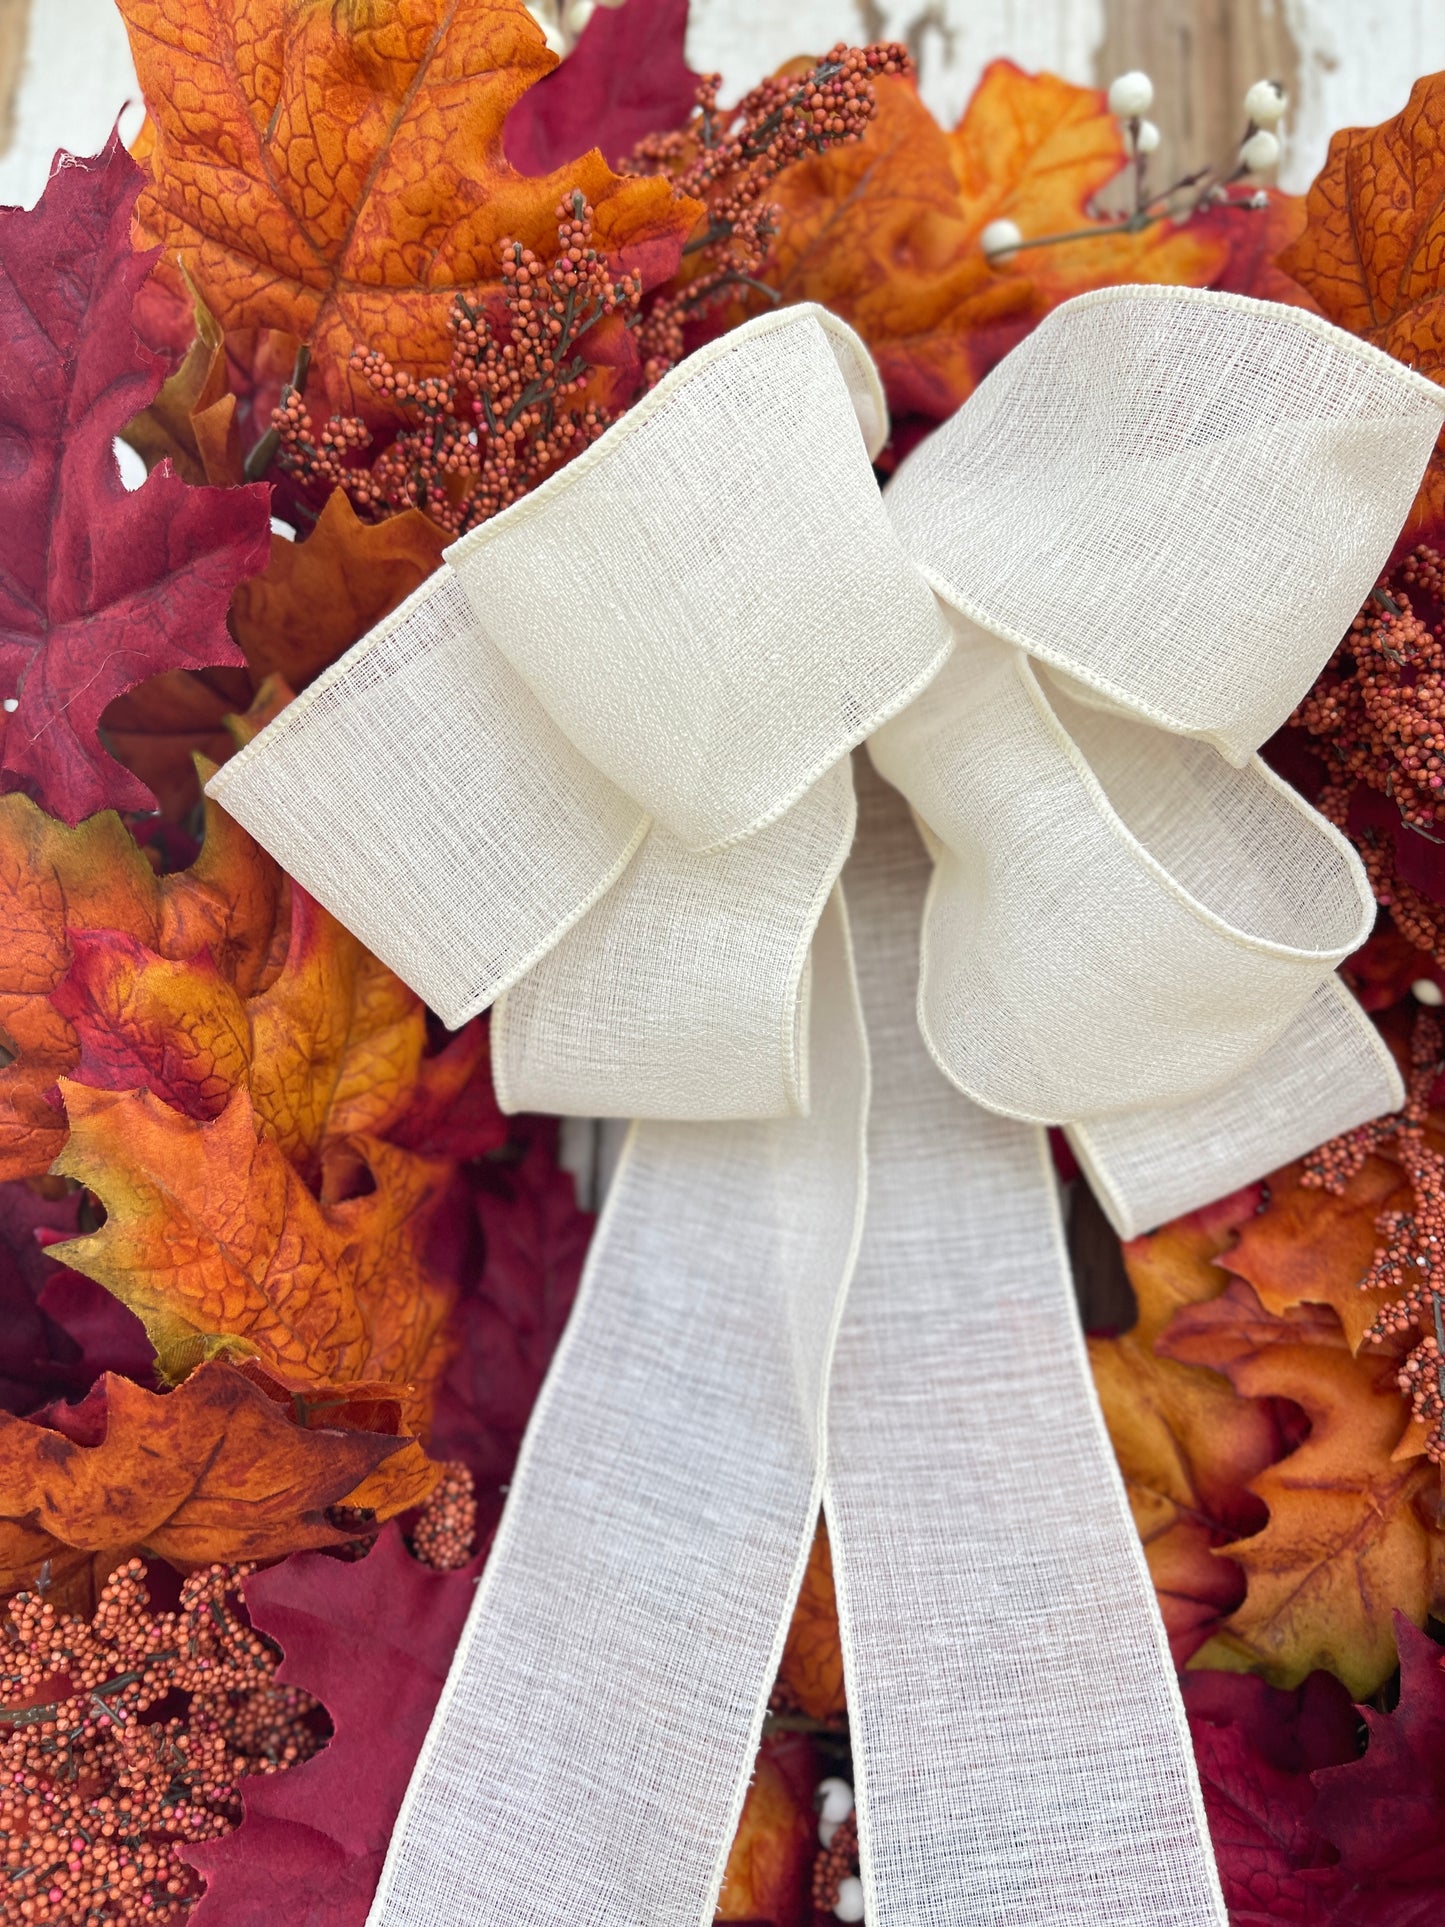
<point x="58" y="1331"/>
<point x="626" y="77"/>
<point x="1255" y="1747"/>
<point x="508" y="1322"/>
<point x="100" y="587"/>
<point x="373" y="1642"/>
<point x="1386" y="1813"/>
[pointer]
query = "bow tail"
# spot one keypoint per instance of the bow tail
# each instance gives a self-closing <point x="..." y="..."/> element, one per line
<point x="591" y="1752"/>
<point x="1019" y="1746"/>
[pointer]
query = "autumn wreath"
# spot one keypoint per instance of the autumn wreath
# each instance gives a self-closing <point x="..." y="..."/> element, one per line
<point x="280" y="1282"/>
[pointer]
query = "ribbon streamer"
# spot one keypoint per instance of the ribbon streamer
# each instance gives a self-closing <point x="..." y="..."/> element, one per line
<point x="596" y="773"/>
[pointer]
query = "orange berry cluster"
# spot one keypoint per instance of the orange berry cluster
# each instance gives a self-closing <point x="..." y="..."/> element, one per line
<point x="512" y="407"/>
<point x="834" y="1864"/>
<point x="519" y="397"/>
<point x="729" y="159"/>
<point x="1378" y="715"/>
<point x="1412" y="1242"/>
<point x="446" y="1533"/>
<point x="99" y="1793"/>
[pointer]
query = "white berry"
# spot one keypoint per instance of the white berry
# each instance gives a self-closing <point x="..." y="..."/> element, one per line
<point x="1146" y="137"/>
<point x="1131" y="94"/>
<point x="1426" y="991"/>
<point x="1265" y="103"/>
<point x="834" y="1799"/>
<point x="1000" y="238"/>
<point x="850" y="1899"/>
<point x="1260" y="151"/>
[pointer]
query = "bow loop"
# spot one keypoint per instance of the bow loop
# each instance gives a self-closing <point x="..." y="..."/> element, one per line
<point x="638" y="592"/>
<point x="1137" y="496"/>
<point x="1118" y="916"/>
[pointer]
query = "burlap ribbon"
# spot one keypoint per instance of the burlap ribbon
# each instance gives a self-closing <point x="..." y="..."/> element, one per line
<point x="596" y="772"/>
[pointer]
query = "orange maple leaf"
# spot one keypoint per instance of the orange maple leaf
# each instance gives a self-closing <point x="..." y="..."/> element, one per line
<point x="770" y="1864"/>
<point x="886" y="231"/>
<point x="812" y="1663"/>
<point x="1370" y="251"/>
<point x="316" y="597"/>
<point x="338" y="173"/>
<point x="212" y="1471"/>
<point x="1186" y="1445"/>
<point x="1347" y="1541"/>
<point x="1313" y="1247"/>
<point x="55" y="880"/>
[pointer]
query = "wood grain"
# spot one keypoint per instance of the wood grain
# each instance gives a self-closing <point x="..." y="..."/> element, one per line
<point x="1201" y="58"/>
<point x="14" y="21"/>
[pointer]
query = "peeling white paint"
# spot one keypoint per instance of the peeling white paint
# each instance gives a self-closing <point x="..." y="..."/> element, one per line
<point x="952" y="40"/>
<point x="1358" y="59"/>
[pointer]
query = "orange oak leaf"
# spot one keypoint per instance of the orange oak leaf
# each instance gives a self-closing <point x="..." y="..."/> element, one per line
<point x="54" y="880"/>
<point x="1370" y="252"/>
<point x="316" y="597"/>
<point x="769" y="1868"/>
<point x="1348" y="1539"/>
<point x="214" y="1470"/>
<point x="1311" y="1247"/>
<point x="214" y="1241"/>
<point x="338" y="173"/>
<point x="332" y="1047"/>
<point x="886" y="231"/>
<point x="812" y="1665"/>
<point x="1186" y="1444"/>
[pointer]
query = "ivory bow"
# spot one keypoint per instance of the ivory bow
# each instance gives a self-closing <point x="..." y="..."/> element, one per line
<point x="596" y="771"/>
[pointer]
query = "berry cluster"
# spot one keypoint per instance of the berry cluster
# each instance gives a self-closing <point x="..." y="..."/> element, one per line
<point x="1378" y="715"/>
<point x="445" y="1535"/>
<point x="102" y="1787"/>
<point x="1412" y="1242"/>
<point x="511" y="408"/>
<point x="520" y="396"/>
<point x="728" y="159"/>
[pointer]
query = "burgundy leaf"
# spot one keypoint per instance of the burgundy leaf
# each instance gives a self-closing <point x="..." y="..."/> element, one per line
<point x="100" y="587"/>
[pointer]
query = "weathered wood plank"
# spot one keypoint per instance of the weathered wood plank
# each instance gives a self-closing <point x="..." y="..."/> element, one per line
<point x="1348" y="61"/>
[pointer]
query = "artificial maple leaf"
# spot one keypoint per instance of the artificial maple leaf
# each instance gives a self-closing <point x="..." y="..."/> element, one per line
<point x="373" y="1641"/>
<point x="1256" y="1748"/>
<point x="886" y="231"/>
<point x="1385" y="1814"/>
<point x="334" y="1046"/>
<point x="162" y="727"/>
<point x="192" y="421"/>
<point x="58" y="1331"/>
<point x="811" y="1672"/>
<point x="511" y="1313"/>
<point x="1347" y="1538"/>
<point x="340" y="174"/>
<point x="158" y="729"/>
<point x="100" y="587"/>
<point x="1187" y="1447"/>
<point x="214" y="1241"/>
<point x="57" y="879"/>
<point x="211" y="1471"/>
<point x="626" y="77"/>
<point x="1313" y="1247"/>
<point x="1370" y="251"/>
<point x="316" y="597"/>
<point x="769" y="1868"/>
